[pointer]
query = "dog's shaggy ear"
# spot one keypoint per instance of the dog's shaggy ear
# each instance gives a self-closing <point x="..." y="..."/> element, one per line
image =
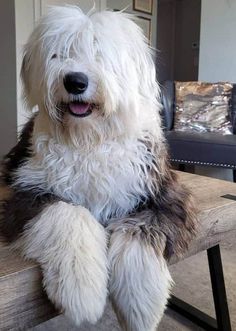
<point x="24" y="76"/>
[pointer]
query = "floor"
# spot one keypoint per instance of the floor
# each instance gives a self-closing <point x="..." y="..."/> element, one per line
<point x="192" y="284"/>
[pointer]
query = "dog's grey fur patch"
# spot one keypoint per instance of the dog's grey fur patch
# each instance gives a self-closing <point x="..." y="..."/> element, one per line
<point x="21" y="205"/>
<point x="20" y="208"/>
<point x="141" y="243"/>
<point x="18" y="154"/>
<point x="167" y="220"/>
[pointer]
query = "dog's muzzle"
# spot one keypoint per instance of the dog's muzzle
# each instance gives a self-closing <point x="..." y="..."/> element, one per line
<point x="76" y="83"/>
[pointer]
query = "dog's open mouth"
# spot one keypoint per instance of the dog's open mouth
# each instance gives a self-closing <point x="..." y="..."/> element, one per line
<point x="77" y="108"/>
<point x="80" y="109"/>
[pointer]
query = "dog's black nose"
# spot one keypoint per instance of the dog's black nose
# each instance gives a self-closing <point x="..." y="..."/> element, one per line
<point x="76" y="82"/>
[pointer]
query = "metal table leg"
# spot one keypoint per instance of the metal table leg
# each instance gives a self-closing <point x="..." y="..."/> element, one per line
<point x="222" y="321"/>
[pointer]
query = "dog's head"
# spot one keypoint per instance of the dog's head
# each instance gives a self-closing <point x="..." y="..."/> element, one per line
<point x="90" y="71"/>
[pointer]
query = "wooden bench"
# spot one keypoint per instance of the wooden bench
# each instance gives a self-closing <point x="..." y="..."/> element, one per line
<point x="23" y="304"/>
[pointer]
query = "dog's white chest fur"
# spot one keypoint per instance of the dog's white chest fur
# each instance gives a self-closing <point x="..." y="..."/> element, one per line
<point x="110" y="180"/>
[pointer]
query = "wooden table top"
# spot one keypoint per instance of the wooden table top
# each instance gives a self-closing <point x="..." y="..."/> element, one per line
<point x="22" y="301"/>
<point x="208" y="191"/>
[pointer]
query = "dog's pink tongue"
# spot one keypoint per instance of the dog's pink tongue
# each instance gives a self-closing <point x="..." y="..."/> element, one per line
<point x="79" y="108"/>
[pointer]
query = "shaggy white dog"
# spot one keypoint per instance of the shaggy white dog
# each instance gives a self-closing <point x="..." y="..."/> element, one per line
<point x="92" y="197"/>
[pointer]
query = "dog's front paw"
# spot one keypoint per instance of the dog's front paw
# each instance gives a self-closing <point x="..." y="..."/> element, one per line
<point x="71" y="248"/>
<point x="79" y="291"/>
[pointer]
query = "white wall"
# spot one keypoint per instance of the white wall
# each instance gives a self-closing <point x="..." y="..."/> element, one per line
<point x="85" y="5"/>
<point x="218" y="41"/>
<point x="122" y="4"/>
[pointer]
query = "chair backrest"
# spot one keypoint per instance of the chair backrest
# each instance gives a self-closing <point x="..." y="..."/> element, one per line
<point x="168" y="103"/>
<point x="233" y="108"/>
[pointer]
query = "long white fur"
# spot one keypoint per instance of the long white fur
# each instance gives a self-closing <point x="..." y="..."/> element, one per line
<point x="70" y="246"/>
<point x="110" y="181"/>
<point x="104" y="147"/>
<point x="83" y="159"/>
<point x="99" y="162"/>
<point x="139" y="283"/>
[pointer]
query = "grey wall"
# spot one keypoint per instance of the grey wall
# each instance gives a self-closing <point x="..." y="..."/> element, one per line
<point x="218" y="41"/>
<point x="217" y="53"/>
<point x="166" y="39"/>
<point x="178" y="27"/>
<point x="187" y="31"/>
<point x="8" y="102"/>
<point x="24" y="22"/>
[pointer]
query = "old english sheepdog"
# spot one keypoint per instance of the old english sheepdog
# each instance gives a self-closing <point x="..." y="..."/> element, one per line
<point x="92" y="198"/>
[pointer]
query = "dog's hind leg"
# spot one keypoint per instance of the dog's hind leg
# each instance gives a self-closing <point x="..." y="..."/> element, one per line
<point x="71" y="246"/>
<point x="140" y="280"/>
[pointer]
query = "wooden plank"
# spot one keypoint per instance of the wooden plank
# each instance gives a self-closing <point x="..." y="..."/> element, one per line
<point x="208" y="191"/>
<point x="11" y="263"/>
<point x="23" y="303"/>
<point x="216" y="214"/>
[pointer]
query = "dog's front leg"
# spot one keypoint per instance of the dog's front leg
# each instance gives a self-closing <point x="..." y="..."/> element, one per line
<point x="140" y="280"/>
<point x="70" y="246"/>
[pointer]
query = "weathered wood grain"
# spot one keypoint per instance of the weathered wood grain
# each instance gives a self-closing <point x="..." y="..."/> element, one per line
<point x="216" y="214"/>
<point x="23" y="303"/>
